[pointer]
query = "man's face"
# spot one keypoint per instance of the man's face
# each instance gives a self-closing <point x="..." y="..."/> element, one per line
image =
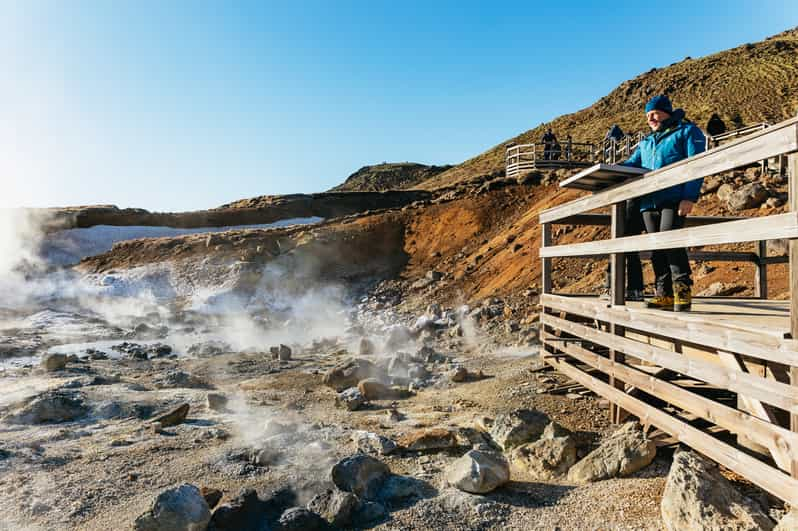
<point x="655" y="119"/>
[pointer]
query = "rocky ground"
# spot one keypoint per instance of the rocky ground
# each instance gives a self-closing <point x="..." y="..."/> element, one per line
<point x="407" y="416"/>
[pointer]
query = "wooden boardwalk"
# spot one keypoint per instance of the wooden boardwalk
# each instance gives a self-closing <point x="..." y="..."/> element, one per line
<point x="722" y="378"/>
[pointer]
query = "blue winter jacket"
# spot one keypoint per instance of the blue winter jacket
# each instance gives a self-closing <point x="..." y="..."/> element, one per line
<point x="679" y="140"/>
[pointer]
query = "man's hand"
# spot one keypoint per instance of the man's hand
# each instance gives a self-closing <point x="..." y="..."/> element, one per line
<point x="685" y="207"/>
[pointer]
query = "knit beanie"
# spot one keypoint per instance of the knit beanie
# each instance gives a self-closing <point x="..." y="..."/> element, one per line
<point x="659" y="103"/>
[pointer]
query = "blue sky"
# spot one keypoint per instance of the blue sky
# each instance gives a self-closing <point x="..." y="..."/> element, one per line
<point x="174" y="105"/>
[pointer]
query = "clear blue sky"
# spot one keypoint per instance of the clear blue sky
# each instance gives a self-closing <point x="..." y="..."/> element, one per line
<point x="171" y="105"/>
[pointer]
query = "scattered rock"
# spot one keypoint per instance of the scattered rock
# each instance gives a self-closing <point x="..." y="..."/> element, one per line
<point x="372" y="443"/>
<point x="697" y="496"/>
<point x="398" y="337"/>
<point x="518" y="427"/>
<point x="212" y="496"/>
<point x="51" y="406"/>
<point x="349" y="373"/>
<point x="174" y="417"/>
<point x="626" y="451"/>
<point x="478" y="472"/>
<point x="209" y="349"/>
<point x="351" y="399"/>
<point x="360" y="474"/>
<point x="175" y="378"/>
<point x="335" y="506"/>
<point x="428" y="439"/>
<point x="54" y="362"/>
<point x="458" y="374"/>
<point x="282" y="352"/>
<point x="546" y="458"/>
<point x="721" y="289"/>
<point x="217" y="402"/>
<point x="373" y="389"/>
<point x="369" y="512"/>
<point x="178" y="509"/>
<point x="301" y="519"/>
<point x="396" y="488"/>
<point x="747" y="196"/>
<point x="725" y="191"/>
<point x="247" y="512"/>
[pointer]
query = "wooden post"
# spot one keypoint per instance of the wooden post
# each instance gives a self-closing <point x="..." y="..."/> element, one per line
<point x="792" y="163"/>
<point x="761" y="273"/>
<point x="618" y="297"/>
<point x="545" y="274"/>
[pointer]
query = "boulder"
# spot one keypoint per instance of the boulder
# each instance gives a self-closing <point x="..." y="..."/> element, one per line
<point x="626" y="451"/>
<point x="366" y="347"/>
<point x="458" y="374"/>
<point x="546" y="458"/>
<point x="247" y="512"/>
<point x="478" y="472"/>
<point x="216" y="401"/>
<point x="396" y="488"/>
<point x="747" y="196"/>
<point x="721" y="289"/>
<point x="373" y="389"/>
<point x="173" y="417"/>
<point x="51" y="406"/>
<point x="301" y="519"/>
<point x="335" y="506"/>
<point x="372" y="443"/>
<point x="398" y="337"/>
<point x="725" y="191"/>
<point x="54" y="362"/>
<point x="360" y="474"/>
<point x="281" y="352"/>
<point x="350" y="399"/>
<point x="367" y="513"/>
<point x="177" y="509"/>
<point x="174" y="379"/>
<point x="428" y="439"/>
<point x="350" y="372"/>
<point x="518" y="427"/>
<point x="697" y="496"/>
<point x="212" y="496"/>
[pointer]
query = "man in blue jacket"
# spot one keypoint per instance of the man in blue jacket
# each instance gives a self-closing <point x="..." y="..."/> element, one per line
<point x="672" y="139"/>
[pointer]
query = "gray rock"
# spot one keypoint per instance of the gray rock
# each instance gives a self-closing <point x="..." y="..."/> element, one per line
<point x="366" y="347"/>
<point x="396" y="488"/>
<point x="54" y="362"/>
<point x="398" y="337"/>
<point x="725" y="191"/>
<point x="458" y="501"/>
<point x="458" y="374"/>
<point x="747" y="196"/>
<point x="369" y="512"/>
<point x="373" y="389"/>
<point x="177" y="509"/>
<point x="626" y="451"/>
<point x="372" y="443"/>
<point x="281" y="352"/>
<point x="697" y="496"/>
<point x="518" y="427"/>
<point x="335" y="506"/>
<point x="301" y="519"/>
<point x="51" y="406"/>
<point x="347" y="374"/>
<point x="217" y="401"/>
<point x="478" y="472"/>
<point x="350" y="399"/>
<point x="546" y="458"/>
<point x="174" y="379"/>
<point x="360" y="474"/>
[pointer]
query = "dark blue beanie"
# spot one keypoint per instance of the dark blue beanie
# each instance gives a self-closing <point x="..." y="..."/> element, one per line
<point x="659" y="103"/>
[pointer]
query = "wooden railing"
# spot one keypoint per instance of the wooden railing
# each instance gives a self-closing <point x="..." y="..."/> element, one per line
<point x="525" y="157"/>
<point x="615" y="151"/>
<point x="612" y="348"/>
<point x="714" y="141"/>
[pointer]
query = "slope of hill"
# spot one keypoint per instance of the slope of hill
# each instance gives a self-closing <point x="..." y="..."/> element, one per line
<point x="745" y="85"/>
<point x="389" y="176"/>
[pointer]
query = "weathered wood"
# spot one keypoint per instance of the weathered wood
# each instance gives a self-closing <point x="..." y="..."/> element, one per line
<point x="782" y="443"/>
<point x="760" y="343"/>
<point x="767" y="477"/>
<point x="777" y="226"/>
<point x="792" y="163"/>
<point x="605" y="220"/>
<point x="617" y="296"/>
<point x="769" y="391"/>
<point x="776" y="140"/>
<point x="761" y="271"/>
<point x="705" y="256"/>
<point x="546" y="284"/>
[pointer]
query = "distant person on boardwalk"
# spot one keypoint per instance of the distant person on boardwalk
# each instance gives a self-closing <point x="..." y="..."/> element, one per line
<point x="569" y="141"/>
<point x="672" y="139"/>
<point x="614" y="133"/>
<point x="715" y="126"/>
<point x="548" y="143"/>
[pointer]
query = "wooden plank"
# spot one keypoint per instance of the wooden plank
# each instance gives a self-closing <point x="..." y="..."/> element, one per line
<point x="602" y="176"/>
<point x="793" y="253"/>
<point x="782" y="443"/>
<point x="689" y="328"/>
<point x="772" y="227"/>
<point x="767" y="477"/>
<point x="546" y="266"/>
<point x="617" y="296"/>
<point x="703" y="256"/>
<point x="779" y="139"/>
<point x="772" y="392"/>
<point x="606" y="220"/>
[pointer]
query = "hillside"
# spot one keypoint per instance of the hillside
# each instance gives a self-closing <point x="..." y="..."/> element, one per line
<point x="389" y="176"/>
<point x="748" y="84"/>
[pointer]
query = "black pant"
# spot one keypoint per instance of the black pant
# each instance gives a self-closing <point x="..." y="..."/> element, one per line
<point x="633" y="225"/>
<point x="670" y="265"/>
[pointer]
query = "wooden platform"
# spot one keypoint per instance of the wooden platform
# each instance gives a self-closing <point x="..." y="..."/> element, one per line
<point x="600" y="176"/>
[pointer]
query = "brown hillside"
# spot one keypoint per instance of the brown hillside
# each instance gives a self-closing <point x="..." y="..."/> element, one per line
<point x="388" y="176"/>
<point x="744" y="85"/>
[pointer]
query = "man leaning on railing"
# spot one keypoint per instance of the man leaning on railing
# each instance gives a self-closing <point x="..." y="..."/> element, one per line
<point x="672" y="139"/>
